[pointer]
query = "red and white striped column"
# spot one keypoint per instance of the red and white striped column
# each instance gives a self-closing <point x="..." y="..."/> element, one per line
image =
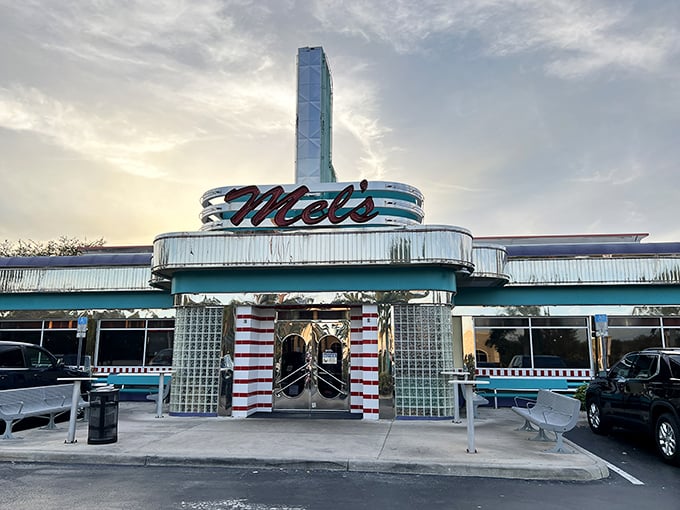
<point x="364" y="376"/>
<point x="253" y="358"/>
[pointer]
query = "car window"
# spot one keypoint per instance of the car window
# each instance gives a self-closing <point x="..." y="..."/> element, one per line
<point x="11" y="357"/>
<point x="624" y="367"/>
<point x="37" y="358"/>
<point x="645" y="366"/>
<point x="675" y="366"/>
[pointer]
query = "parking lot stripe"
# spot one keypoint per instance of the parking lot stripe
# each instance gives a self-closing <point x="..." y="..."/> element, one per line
<point x="623" y="474"/>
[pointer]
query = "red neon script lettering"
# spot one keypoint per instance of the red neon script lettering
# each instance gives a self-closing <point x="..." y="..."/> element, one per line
<point x="274" y="199"/>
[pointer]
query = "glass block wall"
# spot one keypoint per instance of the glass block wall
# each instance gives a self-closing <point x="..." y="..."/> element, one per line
<point x="423" y="345"/>
<point x="196" y="361"/>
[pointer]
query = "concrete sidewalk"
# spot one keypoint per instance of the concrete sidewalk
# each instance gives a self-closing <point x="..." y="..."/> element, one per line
<point x="387" y="446"/>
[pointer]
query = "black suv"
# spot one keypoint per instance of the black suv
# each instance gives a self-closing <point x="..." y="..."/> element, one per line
<point x="641" y="392"/>
<point x="25" y="365"/>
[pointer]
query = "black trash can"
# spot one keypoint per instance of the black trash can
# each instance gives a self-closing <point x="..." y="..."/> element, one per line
<point x="103" y="426"/>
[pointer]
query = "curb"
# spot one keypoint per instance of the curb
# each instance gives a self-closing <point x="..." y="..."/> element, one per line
<point x="587" y="473"/>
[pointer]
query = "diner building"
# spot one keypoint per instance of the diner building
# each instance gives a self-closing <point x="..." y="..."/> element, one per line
<point x="336" y="297"/>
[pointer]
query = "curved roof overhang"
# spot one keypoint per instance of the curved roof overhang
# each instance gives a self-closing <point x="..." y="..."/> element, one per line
<point x="351" y="252"/>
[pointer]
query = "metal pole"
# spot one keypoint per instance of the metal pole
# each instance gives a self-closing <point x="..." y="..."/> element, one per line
<point x="603" y="347"/>
<point x="71" y="438"/>
<point x="80" y="347"/>
<point x="470" y="410"/>
<point x="159" y="400"/>
<point x="456" y="402"/>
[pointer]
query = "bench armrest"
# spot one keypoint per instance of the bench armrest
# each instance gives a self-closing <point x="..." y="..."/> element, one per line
<point x="20" y="403"/>
<point x="548" y="412"/>
<point x="529" y="402"/>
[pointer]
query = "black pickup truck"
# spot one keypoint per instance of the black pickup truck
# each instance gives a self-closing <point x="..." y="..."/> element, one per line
<point x="640" y="392"/>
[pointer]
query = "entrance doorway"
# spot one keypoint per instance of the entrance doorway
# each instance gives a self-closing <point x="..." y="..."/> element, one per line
<point x="311" y="366"/>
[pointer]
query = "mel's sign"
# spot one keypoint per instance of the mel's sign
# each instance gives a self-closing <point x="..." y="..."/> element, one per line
<point x="275" y="200"/>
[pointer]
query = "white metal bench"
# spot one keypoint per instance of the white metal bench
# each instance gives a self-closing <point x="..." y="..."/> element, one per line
<point x="550" y="411"/>
<point x="17" y="404"/>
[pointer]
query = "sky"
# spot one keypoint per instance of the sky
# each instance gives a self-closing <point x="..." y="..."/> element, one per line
<point x="512" y="117"/>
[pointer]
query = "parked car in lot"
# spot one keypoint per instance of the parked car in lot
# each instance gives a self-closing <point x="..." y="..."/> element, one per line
<point x="162" y="358"/>
<point x="24" y="365"/>
<point x="640" y="392"/>
<point x="540" y="361"/>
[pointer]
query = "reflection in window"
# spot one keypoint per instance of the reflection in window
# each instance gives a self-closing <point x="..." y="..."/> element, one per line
<point x="121" y="347"/>
<point x="61" y="343"/>
<point x="623" y="368"/>
<point x="29" y="337"/>
<point x="623" y="340"/>
<point x="645" y="366"/>
<point x="559" y="348"/>
<point x="11" y="357"/>
<point x="159" y="343"/>
<point x="36" y="358"/>
<point x="501" y="345"/>
<point x="672" y="337"/>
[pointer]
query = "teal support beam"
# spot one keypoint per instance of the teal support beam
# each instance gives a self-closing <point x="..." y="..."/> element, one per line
<point x="85" y="300"/>
<point x="569" y="295"/>
<point x="316" y="279"/>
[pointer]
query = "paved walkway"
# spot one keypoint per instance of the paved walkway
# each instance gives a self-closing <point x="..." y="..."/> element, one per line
<point x="388" y="446"/>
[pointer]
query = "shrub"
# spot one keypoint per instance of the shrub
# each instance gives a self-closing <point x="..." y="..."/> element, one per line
<point x="581" y="395"/>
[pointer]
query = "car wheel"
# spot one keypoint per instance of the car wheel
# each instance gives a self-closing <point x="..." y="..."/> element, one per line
<point x="666" y="437"/>
<point x="597" y="422"/>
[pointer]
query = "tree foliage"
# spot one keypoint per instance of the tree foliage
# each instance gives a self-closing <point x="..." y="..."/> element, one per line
<point x="61" y="246"/>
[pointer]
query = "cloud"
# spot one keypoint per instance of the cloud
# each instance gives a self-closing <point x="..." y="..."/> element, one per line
<point x="114" y="140"/>
<point x="627" y="171"/>
<point x="577" y="37"/>
<point x="356" y="109"/>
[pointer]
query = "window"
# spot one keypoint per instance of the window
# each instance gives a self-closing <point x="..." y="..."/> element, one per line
<point x="675" y="366"/>
<point x="544" y="342"/>
<point x="502" y="345"/>
<point x="121" y="348"/>
<point x="11" y="357"/>
<point x="38" y="358"/>
<point x="671" y="337"/>
<point x="628" y="334"/>
<point x="623" y="368"/>
<point x="135" y="342"/>
<point x="646" y="366"/>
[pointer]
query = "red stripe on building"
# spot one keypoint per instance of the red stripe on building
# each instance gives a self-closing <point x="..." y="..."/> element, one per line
<point x="252" y="393"/>
<point x="253" y="355"/>
<point x="254" y="330"/>
<point x="254" y="342"/>
<point x="253" y="380"/>
<point x="252" y="406"/>
<point x="255" y="317"/>
<point x="371" y="315"/>
<point x="248" y="368"/>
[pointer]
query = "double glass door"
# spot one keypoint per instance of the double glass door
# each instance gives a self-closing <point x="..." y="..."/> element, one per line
<point x="311" y="366"/>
